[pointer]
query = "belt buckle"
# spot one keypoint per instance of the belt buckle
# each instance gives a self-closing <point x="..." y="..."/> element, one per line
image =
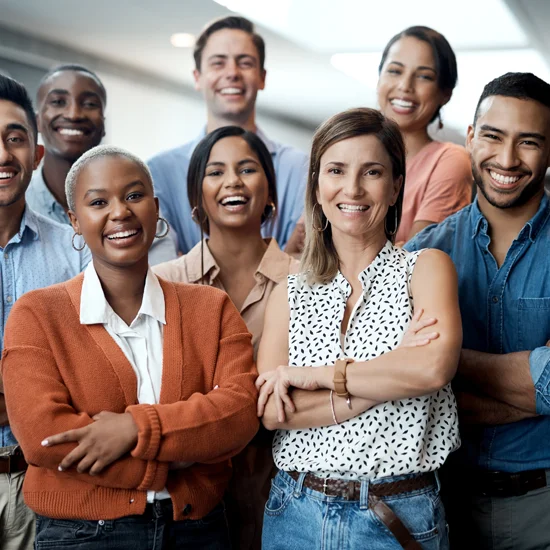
<point x="325" y="487"/>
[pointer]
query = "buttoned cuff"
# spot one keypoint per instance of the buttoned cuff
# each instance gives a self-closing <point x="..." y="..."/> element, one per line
<point x="539" y="365"/>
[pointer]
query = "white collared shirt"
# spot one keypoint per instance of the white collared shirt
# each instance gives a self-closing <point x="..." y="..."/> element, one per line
<point x="141" y="342"/>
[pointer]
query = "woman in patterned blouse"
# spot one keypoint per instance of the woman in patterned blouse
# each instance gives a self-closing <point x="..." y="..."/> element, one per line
<point x="365" y="422"/>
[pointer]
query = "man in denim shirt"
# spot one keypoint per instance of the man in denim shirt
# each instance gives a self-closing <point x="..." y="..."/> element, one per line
<point x="497" y="484"/>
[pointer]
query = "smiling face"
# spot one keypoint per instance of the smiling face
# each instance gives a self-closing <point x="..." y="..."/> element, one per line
<point x="70" y="114"/>
<point x="235" y="189"/>
<point x="356" y="186"/>
<point x="115" y="210"/>
<point x="230" y="75"/>
<point x="510" y="150"/>
<point x="408" y="91"/>
<point x="19" y="156"/>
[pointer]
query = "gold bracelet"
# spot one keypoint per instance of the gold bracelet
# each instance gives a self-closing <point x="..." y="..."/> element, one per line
<point x="332" y="408"/>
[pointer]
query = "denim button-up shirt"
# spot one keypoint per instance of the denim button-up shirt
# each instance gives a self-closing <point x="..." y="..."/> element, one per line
<point x="170" y="169"/>
<point x="39" y="255"/>
<point x="503" y="311"/>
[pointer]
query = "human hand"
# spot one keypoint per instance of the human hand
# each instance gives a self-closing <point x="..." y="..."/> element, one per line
<point x="279" y="381"/>
<point x="99" y="444"/>
<point x="411" y="339"/>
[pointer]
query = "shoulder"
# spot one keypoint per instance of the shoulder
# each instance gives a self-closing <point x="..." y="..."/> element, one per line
<point x="173" y="270"/>
<point x="52" y="299"/>
<point x="171" y="156"/>
<point x="441" y="235"/>
<point x="198" y="295"/>
<point x="289" y="158"/>
<point x="451" y="154"/>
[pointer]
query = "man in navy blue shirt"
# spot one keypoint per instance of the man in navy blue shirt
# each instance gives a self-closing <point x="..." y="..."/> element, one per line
<point x="498" y="484"/>
<point x="229" y="60"/>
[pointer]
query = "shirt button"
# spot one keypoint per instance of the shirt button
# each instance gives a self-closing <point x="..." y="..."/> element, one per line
<point x="131" y="501"/>
<point x="9" y="299"/>
<point x="187" y="510"/>
<point x="495" y="299"/>
<point x="6" y="255"/>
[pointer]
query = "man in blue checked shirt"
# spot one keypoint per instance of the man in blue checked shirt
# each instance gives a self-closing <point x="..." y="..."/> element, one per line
<point x="34" y="252"/>
<point x="497" y="486"/>
<point x="229" y="60"/>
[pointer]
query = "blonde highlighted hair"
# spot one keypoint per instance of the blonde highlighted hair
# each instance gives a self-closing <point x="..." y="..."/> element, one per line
<point x="320" y="260"/>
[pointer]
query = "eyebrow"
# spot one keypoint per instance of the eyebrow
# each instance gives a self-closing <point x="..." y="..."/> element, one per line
<point x="225" y="56"/>
<point x="420" y="68"/>
<point x="364" y="165"/>
<point x="60" y="91"/>
<point x="522" y="135"/>
<point x="102" y="189"/>
<point x="17" y="126"/>
<point x="240" y="163"/>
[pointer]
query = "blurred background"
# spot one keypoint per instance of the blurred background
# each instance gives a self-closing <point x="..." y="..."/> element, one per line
<point x="321" y="56"/>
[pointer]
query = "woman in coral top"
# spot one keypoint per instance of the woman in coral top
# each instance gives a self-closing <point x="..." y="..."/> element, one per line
<point x="418" y="73"/>
<point x="146" y="387"/>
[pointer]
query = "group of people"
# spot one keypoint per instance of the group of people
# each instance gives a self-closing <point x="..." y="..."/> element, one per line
<point x="347" y="353"/>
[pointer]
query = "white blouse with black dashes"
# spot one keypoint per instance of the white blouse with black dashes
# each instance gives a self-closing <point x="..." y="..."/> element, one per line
<point x="397" y="437"/>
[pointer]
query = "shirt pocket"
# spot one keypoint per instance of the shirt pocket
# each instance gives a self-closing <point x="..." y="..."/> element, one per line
<point x="533" y="322"/>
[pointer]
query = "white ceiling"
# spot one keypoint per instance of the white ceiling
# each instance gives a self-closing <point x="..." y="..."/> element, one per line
<point x="489" y="36"/>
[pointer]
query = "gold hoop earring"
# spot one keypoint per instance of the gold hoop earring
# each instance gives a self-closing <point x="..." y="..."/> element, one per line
<point x="83" y="243"/>
<point x="195" y="215"/>
<point x="318" y="229"/>
<point x="166" y="230"/>
<point x="272" y="211"/>
<point x="388" y="232"/>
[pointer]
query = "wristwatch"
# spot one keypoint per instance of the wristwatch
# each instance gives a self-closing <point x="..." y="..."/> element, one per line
<point x="339" y="379"/>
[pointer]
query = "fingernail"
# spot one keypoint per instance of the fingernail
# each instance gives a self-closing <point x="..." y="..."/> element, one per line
<point x="44" y="443"/>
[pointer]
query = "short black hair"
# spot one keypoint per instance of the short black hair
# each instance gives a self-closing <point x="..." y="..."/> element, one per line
<point x="230" y="22"/>
<point x="77" y="69"/>
<point x="11" y="90"/>
<point x="519" y="85"/>
<point x="444" y="56"/>
<point x="199" y="160"/>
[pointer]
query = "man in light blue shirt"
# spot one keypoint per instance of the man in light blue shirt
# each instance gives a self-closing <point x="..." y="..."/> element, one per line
<point x="71" y="101"/>
<point x="229" y="60"/>
<point x="34" y="252"/>
<point x="498" y="484"/>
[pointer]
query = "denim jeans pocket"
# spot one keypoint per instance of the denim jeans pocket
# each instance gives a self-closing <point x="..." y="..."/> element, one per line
<point x="279" y="498"/>
<point x="59" y="533"/>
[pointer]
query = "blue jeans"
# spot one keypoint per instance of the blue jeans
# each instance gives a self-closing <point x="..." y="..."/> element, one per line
<point x="297" y="518"/>
<point x="155" y="530"/>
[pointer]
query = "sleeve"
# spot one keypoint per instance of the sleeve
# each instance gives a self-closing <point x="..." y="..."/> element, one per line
<point x="449" y="187"/>
<point x="30" y="371"/>
<point x="539" y="364"/>
<point x="162" y="191"/>
<point x="210" y="427"/>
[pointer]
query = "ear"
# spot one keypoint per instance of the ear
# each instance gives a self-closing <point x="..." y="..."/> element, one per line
<point x="74" y="222"/>
<point x="157" y="205"/>
<point x="397" y="184"/>
<point x="263" y="74"/>
<point x="470" y="137"/>
<point x="38" y="155"/>
<point x="196" y="78"/>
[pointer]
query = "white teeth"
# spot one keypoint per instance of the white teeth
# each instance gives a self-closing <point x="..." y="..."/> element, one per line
<point x="402" y="103"/>
<point x="236" y="199"/>
<point x="122" y="234"/>
<point x="231" y="91"/>
<point x="353" y="207"/>
<point x="6" y="175"/>
<point x="71" y="132"/>
<point x="504" y="179"/>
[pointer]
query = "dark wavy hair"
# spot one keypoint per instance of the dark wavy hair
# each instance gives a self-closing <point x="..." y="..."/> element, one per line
<point x="15" y="92"/>
<point x="444" y="57"/>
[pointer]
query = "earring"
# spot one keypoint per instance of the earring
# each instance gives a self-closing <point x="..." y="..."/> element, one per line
<point x="166" y="231"/>
<point x="195" y="215"/>
<point x="318" y="229"/>
<point x="272" y="211"/>
<point x="440" y="123"/>
<point x="83" y="243"/>
<point x="388" y="232"/>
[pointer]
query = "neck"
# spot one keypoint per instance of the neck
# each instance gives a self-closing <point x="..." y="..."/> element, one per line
<point x="54" y="171"/>
<point x="123" y="287"/>
<point x="236" y="250"/>
<point x="415" y="141"/>
<point x="247" y="121"/>
<point x="10" y="220"/>
<point x="506" y="223"/>
<point x="357" y="253"/>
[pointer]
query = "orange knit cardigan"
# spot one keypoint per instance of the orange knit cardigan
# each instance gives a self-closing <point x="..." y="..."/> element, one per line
<point x="58" y="374"/>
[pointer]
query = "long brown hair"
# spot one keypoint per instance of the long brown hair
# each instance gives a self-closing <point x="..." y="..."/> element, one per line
<point x="320" y="260"/>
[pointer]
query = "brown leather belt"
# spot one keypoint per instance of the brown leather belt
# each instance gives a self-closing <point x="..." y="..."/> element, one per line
<point x="504" y="484"/>
<point x="12" y="463"/>
<point x="351" y="490"/>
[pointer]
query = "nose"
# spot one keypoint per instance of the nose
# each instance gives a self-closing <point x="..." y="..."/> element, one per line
<point x="73" y="111"/>
<point x="232" y="69"/>
<point x="507" y="156"/>
<point x="233" y="179"/>
<point x="119" y="210"/>
<point x="352" y="187"/>
<point x="5" y="153"/>
<point x="406" y="82"/>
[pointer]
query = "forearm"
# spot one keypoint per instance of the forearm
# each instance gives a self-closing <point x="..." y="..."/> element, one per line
<point x="505" y="377"/>
<point x="485" y="410"/>
<point x="313" y="410"/>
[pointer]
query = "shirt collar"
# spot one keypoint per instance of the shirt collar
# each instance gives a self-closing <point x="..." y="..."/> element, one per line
<point x="28" y="224"/>
<point x="39" y="185"/>
<point x="531" y="228"/>
<point x="271" y="146"/>
<point x="205" y="269"/>
<point x="275" y="263"/>
<point x="94" y="308"/>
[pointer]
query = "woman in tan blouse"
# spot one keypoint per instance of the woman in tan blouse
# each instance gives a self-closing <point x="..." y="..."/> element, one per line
<point x="231" y="189"/>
